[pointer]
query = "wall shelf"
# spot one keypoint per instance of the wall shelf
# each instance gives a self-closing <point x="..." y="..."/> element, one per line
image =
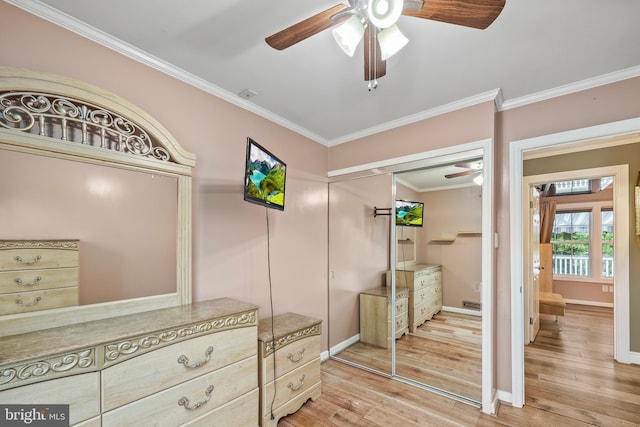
<point x="469" y="234"/>
<point x="446" y="241"/>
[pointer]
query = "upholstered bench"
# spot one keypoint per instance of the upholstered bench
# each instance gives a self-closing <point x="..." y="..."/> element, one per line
<point x="553" y="304"/>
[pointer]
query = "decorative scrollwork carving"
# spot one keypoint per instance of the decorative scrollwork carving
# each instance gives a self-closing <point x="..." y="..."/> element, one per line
<point x="129" y="347"/>
<point x="36" y="370"/>
<point x="271" y="346"/>
<point x="49" y="114"/>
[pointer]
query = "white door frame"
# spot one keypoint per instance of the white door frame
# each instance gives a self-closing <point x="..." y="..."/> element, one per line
<point x="575" y="140"/>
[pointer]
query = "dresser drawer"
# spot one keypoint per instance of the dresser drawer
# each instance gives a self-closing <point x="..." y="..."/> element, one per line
<point x="239" y="412"/>
<point x="24" y="302"/>
<point x="80" y="392"/>
<point x="29" y="258"/>
<point x="291" y="357"/>
<point x="29" y="280"/>
<point x="187" y="401"/>
<point x="154" y="371"/>
<point x="289" y="386"/>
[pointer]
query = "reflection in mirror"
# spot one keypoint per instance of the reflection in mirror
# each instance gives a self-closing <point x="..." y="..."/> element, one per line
<point x="125" y="222"/>
<point x="440" y="264"/>
<point x="101" y="186"/>
<point x="359" y="305"/>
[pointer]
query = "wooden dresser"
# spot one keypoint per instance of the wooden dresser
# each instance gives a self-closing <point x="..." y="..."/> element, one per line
<point x="190" y="365"/>
<point x="375" y="315"/>
<point x="289" y="358"/>
<point x="38" y="275"/>
<point x="425" y="291"/>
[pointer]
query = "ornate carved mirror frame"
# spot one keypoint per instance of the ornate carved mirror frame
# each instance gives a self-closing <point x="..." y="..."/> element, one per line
<point x="59" y="117"/>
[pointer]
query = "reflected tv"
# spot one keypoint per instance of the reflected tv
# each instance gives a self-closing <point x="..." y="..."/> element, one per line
<point x="409" y="213"/>
<point x="264" y="177"/>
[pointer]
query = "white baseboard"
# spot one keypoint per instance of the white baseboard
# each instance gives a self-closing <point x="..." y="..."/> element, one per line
<point x="634" y="357"/>
<point x="344" y="344"/>
<point x="592" y="303"/>
<point x="324" y="356"/>
<point x="462" y="311"/>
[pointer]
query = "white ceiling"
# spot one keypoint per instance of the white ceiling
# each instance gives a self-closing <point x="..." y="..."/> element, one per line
<point x="536" y="49"/>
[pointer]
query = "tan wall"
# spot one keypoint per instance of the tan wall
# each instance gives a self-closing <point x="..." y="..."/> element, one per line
<point x="229" y="235"/>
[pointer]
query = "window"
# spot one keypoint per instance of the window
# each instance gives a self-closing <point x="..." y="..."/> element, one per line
<point x="582" y="243"/>
<point x="607" y="242"/>
<point x="571" y="243"/>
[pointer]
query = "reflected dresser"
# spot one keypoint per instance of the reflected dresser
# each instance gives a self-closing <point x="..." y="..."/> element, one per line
<point x="425" y="291"/>
<point x="375" y="315"/>
<point x="38" y="275"/>
<point x="289" y="371"/>
<point x="191" y="365"/>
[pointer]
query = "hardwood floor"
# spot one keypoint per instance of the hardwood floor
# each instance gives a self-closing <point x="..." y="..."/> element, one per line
<point x="571" y="380"/>
<point x="445" y="352"/>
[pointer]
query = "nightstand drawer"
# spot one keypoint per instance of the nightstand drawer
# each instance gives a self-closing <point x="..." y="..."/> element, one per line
<point x="291" y="357"/>
<point x="291" y="385"/>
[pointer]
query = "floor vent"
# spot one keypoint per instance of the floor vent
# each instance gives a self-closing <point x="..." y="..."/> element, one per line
<point x="473" y="305"/>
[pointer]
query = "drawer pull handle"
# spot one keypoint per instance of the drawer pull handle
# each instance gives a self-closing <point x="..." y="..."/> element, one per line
<point x="185" y="402"/>
<point x="22" y="261"/>
<point x="184" y="360"/>
<point x="296" y="387"/>
<point x="35" y="281"/>
<point x="296" y="359"/>
<point x="28" y="304"/>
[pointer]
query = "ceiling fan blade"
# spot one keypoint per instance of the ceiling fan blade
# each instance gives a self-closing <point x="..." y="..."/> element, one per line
<point x="374" y="67"/>
<point x="468" y="13"/>
<point x="307" y="28"/>
<point x="459" y="174"/>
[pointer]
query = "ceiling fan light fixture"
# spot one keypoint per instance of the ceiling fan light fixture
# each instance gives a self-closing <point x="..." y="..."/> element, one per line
<point x="391" y="40"/>
<point x="349" y="34"/>
<point x="384" y="13"/>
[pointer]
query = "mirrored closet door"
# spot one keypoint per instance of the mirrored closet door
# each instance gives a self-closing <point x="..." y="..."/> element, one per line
<point x="406" y="273"/>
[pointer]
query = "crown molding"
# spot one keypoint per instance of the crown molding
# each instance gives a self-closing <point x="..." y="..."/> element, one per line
<point x="56" y="17"/>
<point x="568" y="89"/>
<point x="74" y="25"/>
<point x="423" y="115"/>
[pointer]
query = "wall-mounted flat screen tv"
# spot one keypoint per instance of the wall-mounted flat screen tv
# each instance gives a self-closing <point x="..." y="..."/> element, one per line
<point x="409" y="213"/>
<point x="264" y="178"/>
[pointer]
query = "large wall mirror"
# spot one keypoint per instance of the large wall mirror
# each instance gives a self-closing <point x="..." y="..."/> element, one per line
<point x="81" y="165"/>
<point x="413" y="301"/>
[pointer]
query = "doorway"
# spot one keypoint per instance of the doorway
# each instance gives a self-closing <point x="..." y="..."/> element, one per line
<point x="570" y="143"/>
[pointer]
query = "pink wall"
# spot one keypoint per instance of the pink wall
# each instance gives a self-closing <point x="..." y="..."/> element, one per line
<point x="115" y="213"/>
<point x="229" y="235"/>
<point x="358" y="248"/>
<point x="447" y="213"/>
<point x="459" y="127"/>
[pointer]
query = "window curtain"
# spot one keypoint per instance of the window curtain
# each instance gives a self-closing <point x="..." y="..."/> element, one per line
<point x="547" y="217"/>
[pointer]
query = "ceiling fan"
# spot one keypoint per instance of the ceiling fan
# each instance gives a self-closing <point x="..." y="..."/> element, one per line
<point x="472" y="169"/>
<point x="375" y="22"/>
